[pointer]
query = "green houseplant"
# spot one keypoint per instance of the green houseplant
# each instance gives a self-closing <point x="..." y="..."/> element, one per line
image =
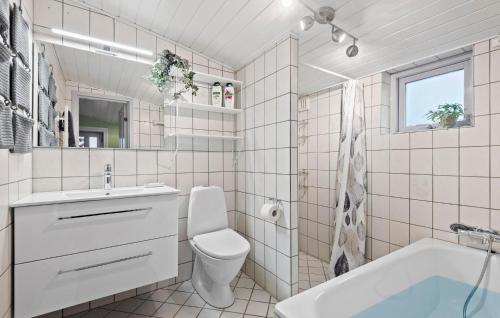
<point x="446" y="114"/>
<point x="163" y="73"/>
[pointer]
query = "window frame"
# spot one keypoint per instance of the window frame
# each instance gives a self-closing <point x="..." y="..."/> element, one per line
<point x="400" y="79"/>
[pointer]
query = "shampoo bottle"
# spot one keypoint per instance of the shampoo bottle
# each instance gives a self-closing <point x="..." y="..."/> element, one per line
<point x="217" y="94"/>
<point x="229" y="95"/>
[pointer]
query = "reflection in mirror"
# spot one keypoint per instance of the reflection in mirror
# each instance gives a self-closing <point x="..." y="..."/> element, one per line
<point x="102" y="122"/>
<point x="101" y="99"/>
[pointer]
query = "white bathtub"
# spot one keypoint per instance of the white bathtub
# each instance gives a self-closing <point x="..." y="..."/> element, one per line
<point x="372" y="283"/>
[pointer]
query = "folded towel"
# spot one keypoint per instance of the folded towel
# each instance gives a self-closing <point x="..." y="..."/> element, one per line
<point x="44" y="105"/>
<point x="5" y="58"/>
<point x="20" y="86"/>
<point x="19" y="33"/>
<point x="43" y="72"/>
<point x="23" y="127"/>
<point x="4" y="19"/>
<point x="52" y="88"/>
<point x="6" y="132"/>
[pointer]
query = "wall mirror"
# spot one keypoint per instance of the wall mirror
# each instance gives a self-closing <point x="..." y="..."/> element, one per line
<point x="86" y="97"/>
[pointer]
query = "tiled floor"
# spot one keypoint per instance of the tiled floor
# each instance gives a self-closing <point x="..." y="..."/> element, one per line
<point x="182" y="301"/>
<point x="312" y="271"/>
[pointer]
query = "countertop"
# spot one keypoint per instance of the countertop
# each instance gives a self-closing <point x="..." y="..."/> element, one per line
<point x="57" y="197"/>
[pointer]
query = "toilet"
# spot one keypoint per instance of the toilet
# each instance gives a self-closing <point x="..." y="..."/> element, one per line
<point x="219" y="251"/>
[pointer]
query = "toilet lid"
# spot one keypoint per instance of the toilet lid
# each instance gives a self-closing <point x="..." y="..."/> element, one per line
<point x="223" y="244"/>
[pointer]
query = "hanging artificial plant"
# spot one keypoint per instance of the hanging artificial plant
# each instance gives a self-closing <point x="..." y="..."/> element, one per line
<point x="162" y="77"/>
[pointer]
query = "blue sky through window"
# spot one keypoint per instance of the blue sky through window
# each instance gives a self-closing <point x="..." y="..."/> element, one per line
<point x="427" y="94"/>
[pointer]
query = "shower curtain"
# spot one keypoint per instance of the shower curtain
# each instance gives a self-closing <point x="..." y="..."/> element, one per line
<point x="351" y="191"/>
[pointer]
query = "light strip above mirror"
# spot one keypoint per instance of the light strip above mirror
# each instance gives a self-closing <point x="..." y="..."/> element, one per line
<point x="103" y="42"/>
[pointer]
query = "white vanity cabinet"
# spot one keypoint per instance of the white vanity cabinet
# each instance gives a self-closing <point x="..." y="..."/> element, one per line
<point x="69" y="251"/>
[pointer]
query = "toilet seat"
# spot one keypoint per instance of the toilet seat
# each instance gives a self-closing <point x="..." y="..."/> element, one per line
<point x="222" y="244"/>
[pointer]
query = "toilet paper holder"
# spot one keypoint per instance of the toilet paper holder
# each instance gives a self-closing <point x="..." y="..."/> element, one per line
<point x="276" y="202"/>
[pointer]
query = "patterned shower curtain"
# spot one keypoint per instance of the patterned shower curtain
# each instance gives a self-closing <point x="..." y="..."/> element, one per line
<point x="351" y="190"/>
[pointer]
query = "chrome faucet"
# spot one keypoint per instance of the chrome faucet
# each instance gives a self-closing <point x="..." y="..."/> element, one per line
<point x="485" y="236"/>
<point x="476" y="232"/>
<point x="107" y="176"/>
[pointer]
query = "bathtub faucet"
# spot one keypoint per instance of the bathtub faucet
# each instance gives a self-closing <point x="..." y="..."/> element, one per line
<point x="476" y="232"/>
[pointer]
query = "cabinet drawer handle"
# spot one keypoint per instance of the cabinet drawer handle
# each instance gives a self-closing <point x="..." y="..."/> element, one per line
<point x="102" y="214"/>
<point x="78" y="269"/>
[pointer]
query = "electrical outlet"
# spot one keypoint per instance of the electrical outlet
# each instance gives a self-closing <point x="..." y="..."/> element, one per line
<point x="495" y="43"/>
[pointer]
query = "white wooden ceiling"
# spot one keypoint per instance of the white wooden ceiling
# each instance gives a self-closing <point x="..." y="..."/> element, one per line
<point x="391" y="32"/>
<point x="107" y="73"/>
<point x="102" y="110"/>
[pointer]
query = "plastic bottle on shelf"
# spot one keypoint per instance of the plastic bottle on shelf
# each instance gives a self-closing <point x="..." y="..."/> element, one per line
<point x="229" y="95"/>
<point x="217" y="94"/>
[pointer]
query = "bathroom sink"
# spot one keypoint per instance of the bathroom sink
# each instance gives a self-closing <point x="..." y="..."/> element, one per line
<point x="103" y="193"/>
<point x="91" y="195"/>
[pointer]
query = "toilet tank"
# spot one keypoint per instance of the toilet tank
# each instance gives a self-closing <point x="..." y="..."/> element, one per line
<point x="207" y="211"/>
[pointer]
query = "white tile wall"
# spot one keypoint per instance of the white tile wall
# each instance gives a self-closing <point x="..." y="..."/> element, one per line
<point x="435" y="177"/>
<point x="267" y="167"/>
<point x="15" y="183"/>
<point x="318" y="132"/>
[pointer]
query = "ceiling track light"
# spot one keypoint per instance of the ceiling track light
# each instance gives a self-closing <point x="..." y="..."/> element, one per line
<point x="338" y="35"/>
<point x="306" y="23"/>
<point x="352" y="50"/>
<point x="325" y="15"/>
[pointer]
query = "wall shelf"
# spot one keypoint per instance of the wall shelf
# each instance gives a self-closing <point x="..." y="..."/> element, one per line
<point x="211" y="78"/>
<point x="222" y="137"/>
<point x="174" y="105"/>
<point x="208" y="108"/>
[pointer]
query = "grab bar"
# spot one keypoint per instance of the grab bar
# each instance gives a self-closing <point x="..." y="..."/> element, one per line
<point x="62" y="218"/>
<point x="78" y="269"/>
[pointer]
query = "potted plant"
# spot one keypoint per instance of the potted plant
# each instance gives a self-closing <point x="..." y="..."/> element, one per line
<point x="165" y="70"/>
<point x="446" y="114"/>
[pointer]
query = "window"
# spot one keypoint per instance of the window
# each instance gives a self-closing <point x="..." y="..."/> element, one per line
<point x="422" y="89"/>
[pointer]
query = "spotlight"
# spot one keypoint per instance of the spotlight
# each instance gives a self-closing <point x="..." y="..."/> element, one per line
<point x="306" y="23"/>
<point x="338" y="36"/>
<point x="286" y="3"/>
<point x="352" y="50"/>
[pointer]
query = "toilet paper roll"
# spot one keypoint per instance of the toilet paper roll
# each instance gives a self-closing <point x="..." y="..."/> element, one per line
<point x="270" y="212"/>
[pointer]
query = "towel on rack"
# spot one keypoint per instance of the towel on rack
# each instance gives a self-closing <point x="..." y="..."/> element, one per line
<point x="46" y="137"/>
<point x="4" y="20"/>
<point x="5" y="58"/>
<point x="20" y="86"/>
<point x="19" y="32"/>
<point x="71" y="131"/>
<point x="52" y="88"/>
<point x="6" y="132"/>
<point x="44" y="105"/>
<point x="43" y="72"/>
<point x="23" y="127"/>
<point x="52" y="117"/>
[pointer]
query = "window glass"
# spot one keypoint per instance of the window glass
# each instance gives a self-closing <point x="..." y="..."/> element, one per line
<point x="428" y="93"/>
